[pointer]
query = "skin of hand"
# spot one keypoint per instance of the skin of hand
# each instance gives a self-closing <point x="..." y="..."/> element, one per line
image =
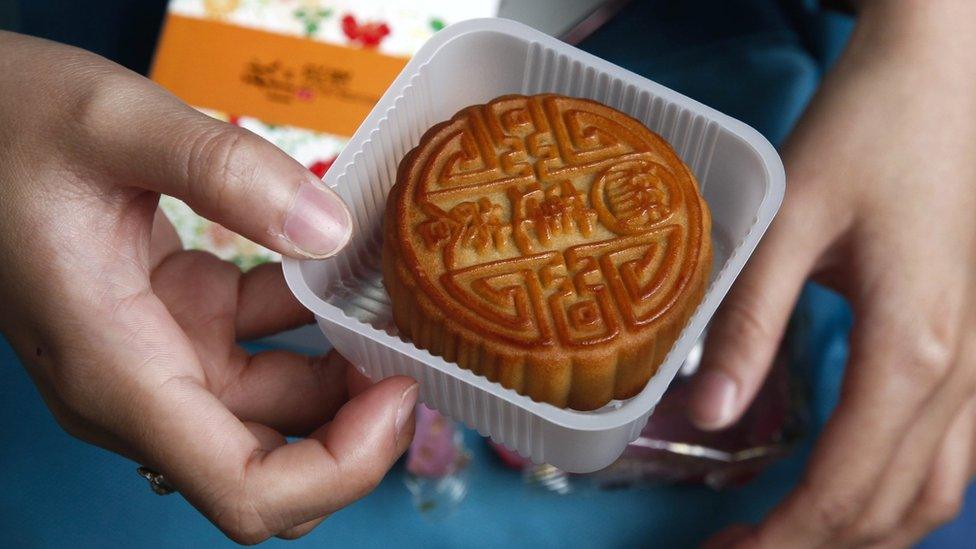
<point x="880" y="206"/>
<point x="131" y="341"/>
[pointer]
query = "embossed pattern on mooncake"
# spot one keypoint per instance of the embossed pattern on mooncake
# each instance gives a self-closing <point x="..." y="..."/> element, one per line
<point x="552" y="244"/>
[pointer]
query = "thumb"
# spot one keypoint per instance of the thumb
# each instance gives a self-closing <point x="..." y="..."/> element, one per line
<point x="225" y="173"/>
<point x="746" y="331"/>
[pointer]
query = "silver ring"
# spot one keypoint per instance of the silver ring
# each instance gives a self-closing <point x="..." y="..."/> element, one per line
<point x="156" y="481"/>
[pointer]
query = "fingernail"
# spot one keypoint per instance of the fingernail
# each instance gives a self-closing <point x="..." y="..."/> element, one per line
<point x="405" y="411"/>
<point x="318" y="224"/>
<point x="713" y="400"/>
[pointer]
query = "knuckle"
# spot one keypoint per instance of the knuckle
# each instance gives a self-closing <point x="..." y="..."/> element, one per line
<point x="926" y="360"/>
<point x="218" y="164"/>
<point x="96" y="104"/>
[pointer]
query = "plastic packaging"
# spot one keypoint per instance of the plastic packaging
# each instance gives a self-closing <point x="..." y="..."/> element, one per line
<point x="472" y="62"/>
<point x="671" y="450"/>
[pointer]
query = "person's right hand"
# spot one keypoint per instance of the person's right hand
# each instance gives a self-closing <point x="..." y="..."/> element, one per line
<point x="132" y="341"/>
<point x="880" y="207"/>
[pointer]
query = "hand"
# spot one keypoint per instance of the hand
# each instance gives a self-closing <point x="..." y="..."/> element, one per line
<point x="131" y="341"/>
<point x="880" y="206"/>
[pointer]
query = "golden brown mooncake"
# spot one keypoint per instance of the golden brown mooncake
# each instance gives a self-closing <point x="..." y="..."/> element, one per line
<point x="551" y="244"/>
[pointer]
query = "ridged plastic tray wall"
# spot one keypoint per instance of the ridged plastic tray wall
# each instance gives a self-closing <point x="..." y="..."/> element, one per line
<point x="472" y="62"/>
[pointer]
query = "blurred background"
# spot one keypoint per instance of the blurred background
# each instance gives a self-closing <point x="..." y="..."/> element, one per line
<point x="757" y="60"/>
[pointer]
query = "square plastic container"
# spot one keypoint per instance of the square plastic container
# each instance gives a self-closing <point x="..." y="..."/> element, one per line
<point x="740" y="174"/>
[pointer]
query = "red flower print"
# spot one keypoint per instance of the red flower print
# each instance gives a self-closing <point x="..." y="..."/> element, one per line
<point x="368" y="34"/>
<point x="320" y="167"/>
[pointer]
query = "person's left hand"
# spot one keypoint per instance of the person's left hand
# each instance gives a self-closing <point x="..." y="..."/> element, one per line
<point x="131" y="342"/>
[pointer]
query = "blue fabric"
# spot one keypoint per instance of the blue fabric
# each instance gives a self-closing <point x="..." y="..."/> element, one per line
<point x="758" y="60"/>
<point x="59" y="491"/>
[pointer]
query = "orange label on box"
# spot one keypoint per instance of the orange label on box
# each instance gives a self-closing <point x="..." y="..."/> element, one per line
<point x="278" y="79"/>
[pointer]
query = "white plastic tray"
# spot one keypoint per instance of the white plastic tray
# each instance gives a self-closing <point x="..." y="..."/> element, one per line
<point x="741" y="176"/>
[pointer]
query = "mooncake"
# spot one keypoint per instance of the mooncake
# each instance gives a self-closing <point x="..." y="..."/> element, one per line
<point x="551" y="244"/>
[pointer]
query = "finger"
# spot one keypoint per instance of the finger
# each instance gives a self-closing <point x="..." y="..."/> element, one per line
<point x="340" y="462"/>
<point x="265" y="305"/>
<point x="291" y="393"/>
<point x="258" y="301"/>
<point x="164" y="240"/>
<point x="891" y="374"/>
<point x="223" y="468"/>
<point x="154" y="393"/>
<point x="218" y="463"/>
<point x="907" y="472"/>
<point x="205" y="309"/>
<point x="747" y="329"/>
<point x="941" y="498"/>
<point x="225" y="173"/>
<point x="269" y="439"/>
